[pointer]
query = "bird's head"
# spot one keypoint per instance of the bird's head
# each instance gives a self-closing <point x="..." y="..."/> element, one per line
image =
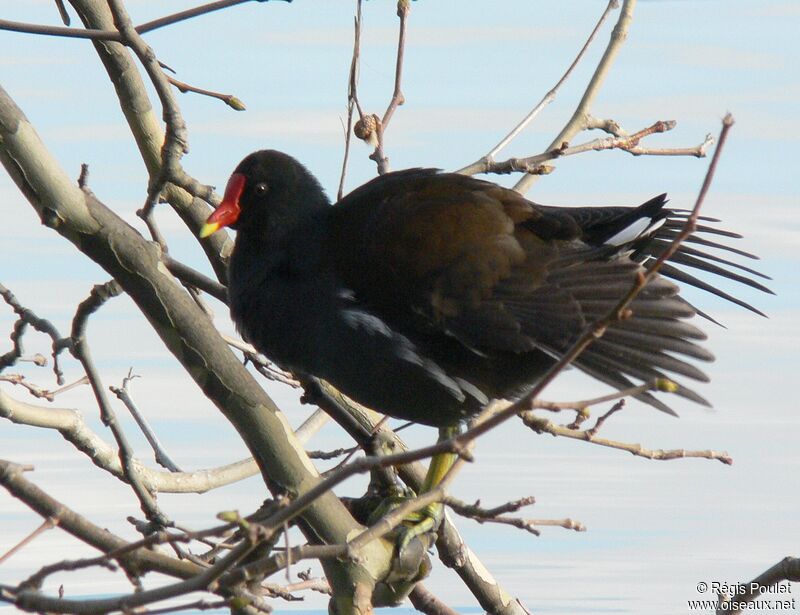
<point x="267" y="191"/>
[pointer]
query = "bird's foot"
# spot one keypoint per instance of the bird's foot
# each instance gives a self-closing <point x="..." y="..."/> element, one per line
<point x="413" y="537"/>
<point x="422" y="524"/>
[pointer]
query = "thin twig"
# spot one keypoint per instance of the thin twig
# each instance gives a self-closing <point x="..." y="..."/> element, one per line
<point x="112" y="35"/>
<point x="352" y="96"/>
<point x="325" y="455"/>
<point x="204" y="581"/>
<point x="124" y="395"/>
<point x="80" y="350"/>
<point x="543" y="425"/>
<point x="403" y="9"/>
<point x="175" y="140"/>
<point x="28" y="317"/>
<point x="602" y="419"/>
<point x="263" y="365"/>
<point x="581" y="406"/>
<point x="203" y="9"/>
<point x="577" y="122"/>
<point x="35" y="390"/>
<point x="491" y="417"/>
<point x="13" y="479"/>
<point x="475" y="510"/>
<point x="567" y="524"/>
<point x="229" y="99"/>
<point x="628" y="143"/>
<point x="494" y="515"/>
<point x="481" y="165"/>
<point x="47" y="524"/>
<point x="189" y="607"/>
<point x="62" y="12"/>
<point x="379" y="155"/>
<point x="39" y="392"/>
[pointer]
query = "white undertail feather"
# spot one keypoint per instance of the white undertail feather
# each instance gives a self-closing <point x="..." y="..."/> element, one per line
<point x="640" y="228"/>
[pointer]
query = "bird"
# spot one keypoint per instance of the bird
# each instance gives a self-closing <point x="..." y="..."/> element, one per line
<point x="424" y="294"/>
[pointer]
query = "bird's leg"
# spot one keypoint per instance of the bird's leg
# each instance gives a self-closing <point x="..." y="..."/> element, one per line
<point x="441" y="462"/>
<point x="429" y="518"/>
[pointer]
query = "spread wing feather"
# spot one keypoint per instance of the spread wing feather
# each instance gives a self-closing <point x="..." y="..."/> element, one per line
<point x="453" y="256"/>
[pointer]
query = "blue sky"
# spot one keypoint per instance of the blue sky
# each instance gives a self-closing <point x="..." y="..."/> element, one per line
<point x="472" y="70"/>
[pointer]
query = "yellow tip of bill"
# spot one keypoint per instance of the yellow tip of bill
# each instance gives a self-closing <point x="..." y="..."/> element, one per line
<point x="209" y="228"/>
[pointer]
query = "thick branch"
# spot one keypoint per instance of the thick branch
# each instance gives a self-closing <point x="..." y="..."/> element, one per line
<point x="188" y="334"/>
<point x="12" y="478"/>
<point x="453" y="551"/>
<point x="148" y="133"/>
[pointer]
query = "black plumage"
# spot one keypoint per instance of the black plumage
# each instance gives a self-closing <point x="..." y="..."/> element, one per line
<point x="424" y="294"/>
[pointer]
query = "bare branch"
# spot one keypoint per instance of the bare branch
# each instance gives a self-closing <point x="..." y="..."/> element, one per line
<point x="578" y="121"/>
<point x="31" y="600"/>
<point x="124" y="395"/>
<point x="609" y="126"/>
<point x="229" y="99"/>
<point x="70" y="424"/>
<point x="352" y="96"/>
<point x="191" y="276"/>
<point x="111" y="35"/>
<point x="788" y="569"/>
<point x="371" y="128"/>
<point x="475" y="511"/>
<point x="47" y="524"/>
<point x="11" y="477"/>
<point x="567" y="524"/>
<point x="28" y="317"/>
<point x="80" y="350"/>
<point x="62" y="12"/>
<point x="482" y="165"/>
<point x="325" y="455"/>
<point x="176" y="140"/>
<point x="492" y="416"/>
<point x="628" y="143"/>
<point x="189" y="14"/>
<point x="602" y="419"/>
<point x="403" y="9"/>
<point x="426" y="602"/>
<point x="264" y="366"/>
<point x="494" y="515"/>
<point x="543" y="425"/>
<point x="19" y="380"/>
<point x="197" y="605"/>
<point x="581" y="406"/>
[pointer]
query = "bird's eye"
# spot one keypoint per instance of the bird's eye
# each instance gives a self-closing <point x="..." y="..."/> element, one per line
<point x="261" y="188"/>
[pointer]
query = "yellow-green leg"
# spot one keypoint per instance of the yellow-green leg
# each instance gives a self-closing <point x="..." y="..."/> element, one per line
<point x="428" y="519"/>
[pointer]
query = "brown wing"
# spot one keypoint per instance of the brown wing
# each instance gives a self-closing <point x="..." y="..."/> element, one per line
<point x="437" y="243"/>
<point x="448" y="254"/>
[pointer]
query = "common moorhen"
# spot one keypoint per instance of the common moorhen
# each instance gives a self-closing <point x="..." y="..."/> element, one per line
<point x="424" y="294"/>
